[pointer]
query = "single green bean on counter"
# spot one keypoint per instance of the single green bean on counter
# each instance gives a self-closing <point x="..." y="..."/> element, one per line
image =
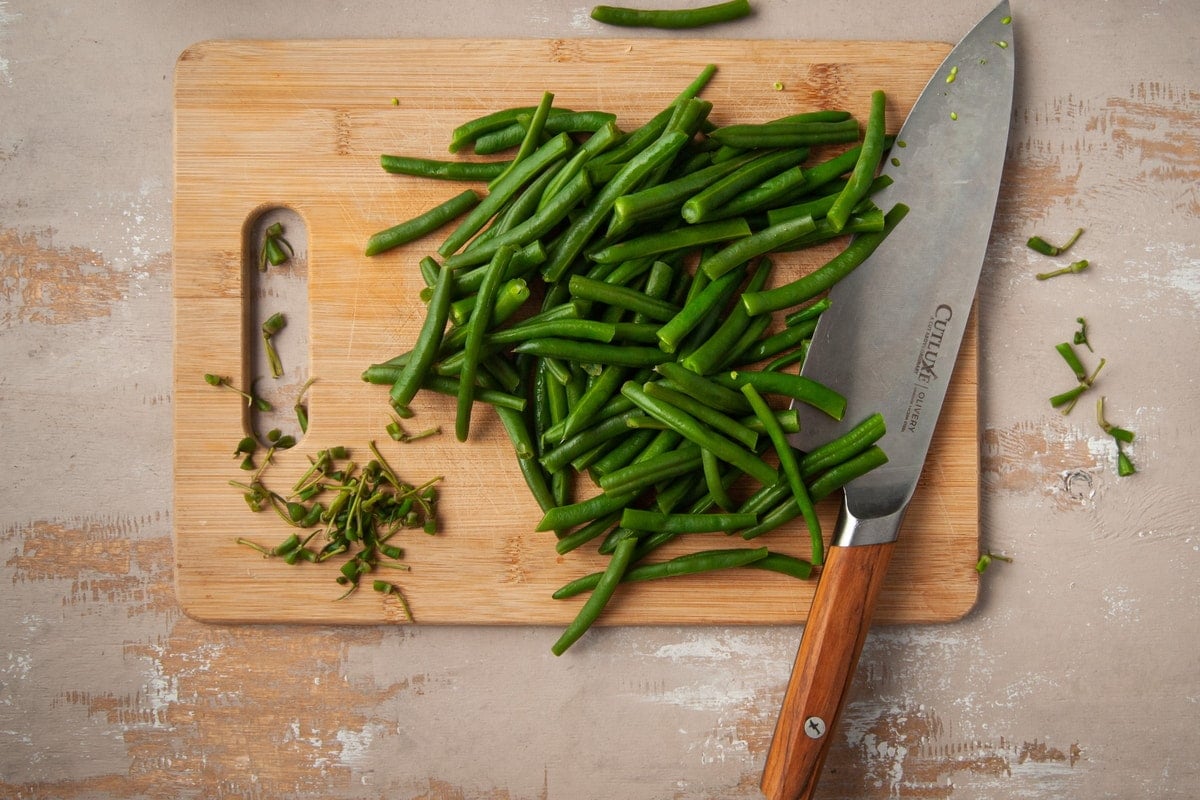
<point x="628" y="17"/>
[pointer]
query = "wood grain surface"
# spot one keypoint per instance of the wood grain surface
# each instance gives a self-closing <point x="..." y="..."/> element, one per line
<point x="299" y="126"/>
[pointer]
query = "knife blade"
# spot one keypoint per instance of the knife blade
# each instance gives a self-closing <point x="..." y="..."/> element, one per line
<point x="888" y="342"/>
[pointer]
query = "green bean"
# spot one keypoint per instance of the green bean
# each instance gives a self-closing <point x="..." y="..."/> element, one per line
<point x="702" y="306"/>
<point x="515" y="291"/>
<point x="518" y="432"/>
<point x="827" y="171"/>
<point x="610" y="408"/>
<point x="786" y="134"/>
<point x="442" y="170"/>
<point x="866" y="166"/>
<point x="712" y="480"/>
<point x="782" y="513"/>
<point x="473" y="347"/>
<point x="503" y="373"/>
<point x="664" y="199"/>
<point x="599" y="597"/>
<point x="797" y="387"/>
<point x="581" y="536"/>
<point x="425" y="350"/>
<point x="523" y="262"/>
<point x="643" y="520"/>
<point x="736" y="355"/>
<point x="690" y="564"/>
<point x="866" y="220"/>
<point x="726" y="11"/>
<point x="446" y="385"/>
<point x="636" y="332"/>
<point x="605" y="137"/>
<point x="849" y="444"/>
<point x="502" y="192"/>
<point x="630" y="174"/>
<point x="469" y="131"/>
<point x="644" y="135"/>
<point x="558" y="121"/>
<point x="600" y="392"/>
<point x="785" y="565"/>
<point x="795" y="356"/>
<point x="691" y="429"/>
<point x="808" y="312"/>
<point x="585" y="440"/>
<point x="558" y="370"/>
<point x="580" y="329"/>
<point x="530" y="139"/>
<point x="603" y="167"/>
<point x="422" y="224"/>
<point x="871" y="458"/>
<point x="785" y="339"/>
<point x="716" y="349"/>
<point x="593" y="353"/>
<point x="821" y="115"/>
<point x="785" y="185"/>
<point x="787" y="418"/>
<point x="509" y="301"/>
<point x="644" y="473"/>
<point x="562" y="517"/>
<point x="766" y="240"/>
<point x="791" y="469"/>
<point x="721" y="398"/>
<point x="622" y="455"/>
<point x="804" y="289"/>
<point x="701" y="206"/>
<point x="818" y="207"/>
<point x="586" y="288"/>
<point x="709" y="416"/>
<point x="655" y="244"/>
<point x="535" y="227"/>
<point x="551" y="395"/>
<point x="1045" y="248"/>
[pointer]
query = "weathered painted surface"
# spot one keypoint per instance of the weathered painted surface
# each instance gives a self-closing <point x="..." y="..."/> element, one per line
<point x="1076" y="676"/>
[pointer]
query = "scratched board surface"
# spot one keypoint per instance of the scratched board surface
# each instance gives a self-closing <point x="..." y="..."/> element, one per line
<point x="297" y="127"/>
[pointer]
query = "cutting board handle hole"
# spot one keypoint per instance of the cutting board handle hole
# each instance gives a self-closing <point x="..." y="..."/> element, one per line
<point x="266" y="291"/>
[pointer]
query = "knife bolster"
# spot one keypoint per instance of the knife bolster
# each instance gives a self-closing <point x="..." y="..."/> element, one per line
<point x="854" y="531"/>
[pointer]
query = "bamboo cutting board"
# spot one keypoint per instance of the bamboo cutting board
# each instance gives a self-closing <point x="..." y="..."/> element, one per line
<point x="296" y="129"/>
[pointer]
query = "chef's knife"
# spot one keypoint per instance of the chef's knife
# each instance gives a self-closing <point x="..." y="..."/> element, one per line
<point x="888" y="342"/>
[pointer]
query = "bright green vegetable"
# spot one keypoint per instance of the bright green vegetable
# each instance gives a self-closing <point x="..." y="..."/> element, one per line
<point x="441" y="169"/>
<point x="1045" y="248"/>
<point x="599" y="598"/>
<point x="790" y="467"/>
<point x="1121" y="436"/>
<point x="473" y="347"/>
<point x="422" y="224"/>
<point x="273" y="325"/>
<point x="864" y="168"/>
<point x="694" y="431"/>
<point x="624" y="16"/>
<point x="1073" y="268"/>
<point x="1065" y="401"/>
<point x="275" y="249"/>
<point x="607" y="295"/>
<point x="690" y="564"/>
<point x="820" y="280"/>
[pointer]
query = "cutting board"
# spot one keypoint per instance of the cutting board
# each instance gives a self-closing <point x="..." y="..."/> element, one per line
<point x="296" y="128"/>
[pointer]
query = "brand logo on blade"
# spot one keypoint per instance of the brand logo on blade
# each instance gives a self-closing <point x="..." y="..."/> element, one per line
<point x="925" y="370"/>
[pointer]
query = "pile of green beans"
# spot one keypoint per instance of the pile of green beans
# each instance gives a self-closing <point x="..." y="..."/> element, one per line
<point x="610" y="295"/>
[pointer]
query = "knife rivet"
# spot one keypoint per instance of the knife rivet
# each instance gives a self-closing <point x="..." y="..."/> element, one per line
<point x="814" y="727"/>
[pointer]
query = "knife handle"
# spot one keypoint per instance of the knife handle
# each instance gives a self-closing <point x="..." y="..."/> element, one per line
<point x="825" y="664"/>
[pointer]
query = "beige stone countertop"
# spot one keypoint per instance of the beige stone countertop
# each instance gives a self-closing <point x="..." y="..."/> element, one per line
<point x="1077" y="674"/>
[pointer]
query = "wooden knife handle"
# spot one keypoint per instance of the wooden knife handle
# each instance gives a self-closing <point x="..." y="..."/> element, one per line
<point x="825" y="665"/>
